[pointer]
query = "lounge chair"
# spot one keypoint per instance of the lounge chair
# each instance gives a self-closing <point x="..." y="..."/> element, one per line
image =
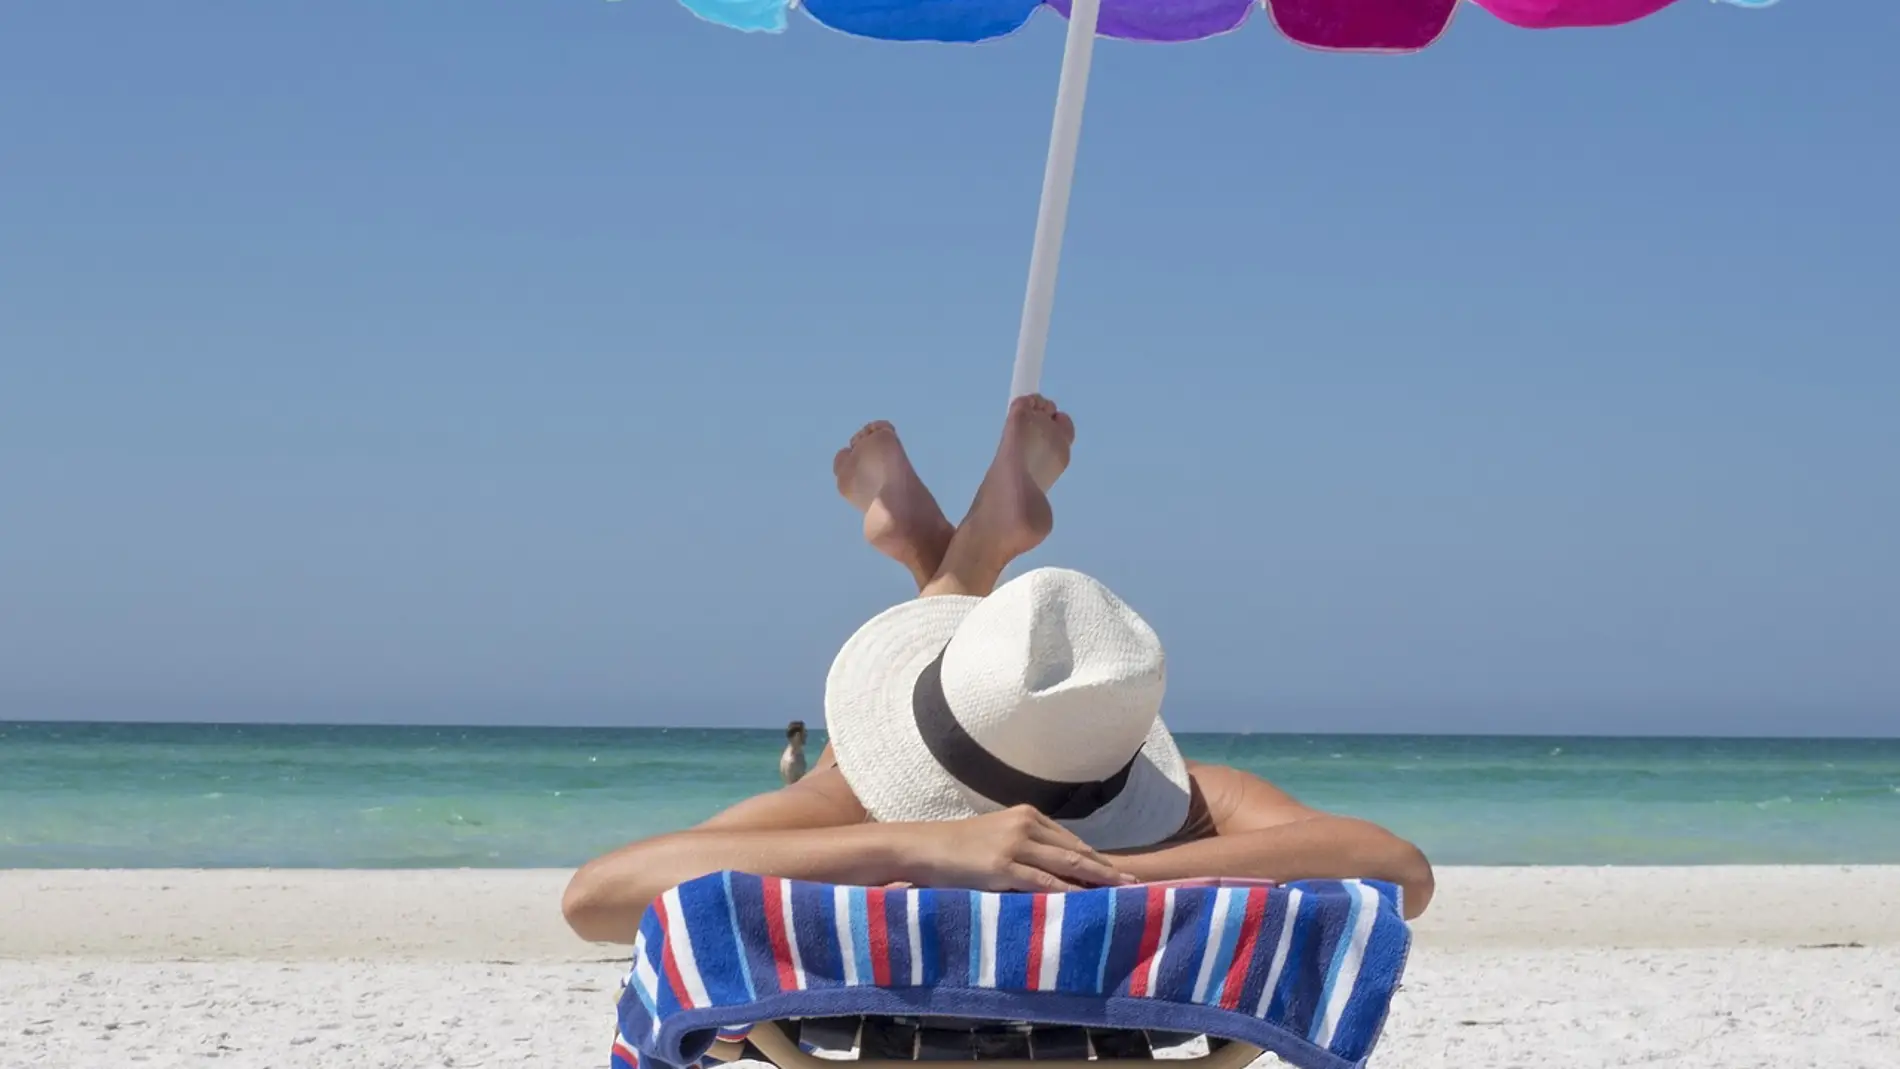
<point x="732" y="966"/>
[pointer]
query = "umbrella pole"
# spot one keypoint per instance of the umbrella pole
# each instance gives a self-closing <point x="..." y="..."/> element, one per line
<point x="1057" y="177"/>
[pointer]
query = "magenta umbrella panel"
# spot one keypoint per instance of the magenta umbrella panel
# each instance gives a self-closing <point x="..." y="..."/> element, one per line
<point x="1343" y="25"/>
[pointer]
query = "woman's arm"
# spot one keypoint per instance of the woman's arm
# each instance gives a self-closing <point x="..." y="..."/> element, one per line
<point x="1261" y="832"/>
<point x="811" y="830"/>
<point x="816" y="830"/>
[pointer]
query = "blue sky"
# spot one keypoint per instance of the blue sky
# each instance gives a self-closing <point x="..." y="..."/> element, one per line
<point x="484" y="361"/>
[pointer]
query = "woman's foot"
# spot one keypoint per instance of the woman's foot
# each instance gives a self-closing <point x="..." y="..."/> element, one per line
<point x="1011" y="514"/>
<point x="901" y="518"/>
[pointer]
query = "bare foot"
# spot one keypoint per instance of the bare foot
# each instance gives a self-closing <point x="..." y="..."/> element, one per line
<point x="901" y="519"/>
<point x="1011" y="513"/>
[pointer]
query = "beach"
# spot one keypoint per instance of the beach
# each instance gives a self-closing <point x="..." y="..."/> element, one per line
<point x="1726" y="967"/>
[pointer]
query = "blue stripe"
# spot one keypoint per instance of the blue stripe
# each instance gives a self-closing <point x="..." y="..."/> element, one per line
<point x="1314" y="932"/>
<point x="1340" y="947"/>
<point x="1125" y="945"/>
<point x="816" y="929"/>
<point x="706" y="925"/>
<point x="976" y="938"/>
<point x="1084" y="933"/>
<point x="897" y="935"/>
<point x="1108" y="941"/>
<point x="1187" y="934"/>
<point x="738" y="938"/>
<point x="666" y="1001"/>
<point x="928" y="935"/>
<point x="1013" y="921"/>
<point x="950" y="946"/>
<point x="861" y="934"/>
<point x="1379" y="973"/>
<point x="651" y="929"/>
<point x="1296" y="941"/>
<point x="748" y="906"/>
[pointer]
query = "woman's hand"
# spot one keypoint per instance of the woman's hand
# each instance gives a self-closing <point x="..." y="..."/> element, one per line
<point x="1017" y="849"/>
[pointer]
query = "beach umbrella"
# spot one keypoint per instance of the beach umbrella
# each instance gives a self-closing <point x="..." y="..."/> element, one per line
<point x="1394" y="26"/>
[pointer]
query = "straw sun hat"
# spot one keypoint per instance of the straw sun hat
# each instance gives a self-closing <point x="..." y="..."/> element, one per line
<point x="1047" y="693"/>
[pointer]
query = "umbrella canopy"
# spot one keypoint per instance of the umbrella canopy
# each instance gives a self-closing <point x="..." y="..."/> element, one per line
<point x="1346" y="25"/>
<point x="1331" y="25"/>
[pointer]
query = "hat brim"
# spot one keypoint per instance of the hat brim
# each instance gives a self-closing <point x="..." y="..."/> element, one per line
<point x="881" y="752"/>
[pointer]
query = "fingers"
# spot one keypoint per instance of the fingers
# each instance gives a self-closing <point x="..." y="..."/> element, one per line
<point x="1049" y="833"/>
<point x="1071" y="866"/>
<point x="1044" y="829"/>
<point x="1021" y="877"/>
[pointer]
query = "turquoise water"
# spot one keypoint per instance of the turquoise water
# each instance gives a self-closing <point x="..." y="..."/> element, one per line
<point x="190" y="795"/>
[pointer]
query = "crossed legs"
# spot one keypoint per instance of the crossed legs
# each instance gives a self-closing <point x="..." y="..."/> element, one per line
<point x="1009" y="517"/>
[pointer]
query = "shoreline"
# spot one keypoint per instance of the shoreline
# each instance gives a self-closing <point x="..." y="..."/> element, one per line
<point x="513" y="915"/>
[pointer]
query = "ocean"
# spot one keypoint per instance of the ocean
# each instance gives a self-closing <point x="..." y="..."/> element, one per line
<point x="223" y="795"/>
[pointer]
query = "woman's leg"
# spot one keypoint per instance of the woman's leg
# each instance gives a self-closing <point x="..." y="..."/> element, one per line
<point x="1009" y="517"/>
<point x="901" y="518"/>
<point x="1011" y="513"/>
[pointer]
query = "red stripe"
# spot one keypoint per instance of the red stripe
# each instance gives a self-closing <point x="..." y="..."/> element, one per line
<point x="1038" y="915"/>
<point x="671" y="966"/>
<point x="880" y="939"/>
<point x="775" y="927"/>
<point x="1243" y="950"/>
<point x="1155" y="908"/>
<point x="624" y="1057"/>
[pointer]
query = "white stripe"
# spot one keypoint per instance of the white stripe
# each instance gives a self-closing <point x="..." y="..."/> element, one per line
<point x="1348" y="976"/>
<point x="644" y="977"/>
<point x="1167" y="925"/>
<point x="1051" y="942"/>
<point x="1279" y="952"/>
<point x="681" y="942"/>
<point x="989" y="906"/>
<point x="841" y="912"/>
<point x="911" y="902"/>
<point x="1212" y="950"/>
<point x="633" y="963"/>
<point x="791" y="932"/>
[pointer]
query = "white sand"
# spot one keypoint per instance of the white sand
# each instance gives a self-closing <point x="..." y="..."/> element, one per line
<point x="1724" y="968"/>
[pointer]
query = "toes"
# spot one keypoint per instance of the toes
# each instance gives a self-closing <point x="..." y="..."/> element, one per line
<point x="1065" y="426"/>
<point x="838" y="462"/>
<point x="875" y="427"/>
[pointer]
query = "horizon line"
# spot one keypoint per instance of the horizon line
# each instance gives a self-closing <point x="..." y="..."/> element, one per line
<point x="819" y="728"/>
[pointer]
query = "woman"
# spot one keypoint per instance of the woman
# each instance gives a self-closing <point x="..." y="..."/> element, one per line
<point x="1232" y="823"/>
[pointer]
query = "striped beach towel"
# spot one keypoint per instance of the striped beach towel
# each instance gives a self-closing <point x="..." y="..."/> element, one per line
<point x="1305" y="970"/>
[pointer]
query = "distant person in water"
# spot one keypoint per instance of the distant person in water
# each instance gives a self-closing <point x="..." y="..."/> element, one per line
<point x="967" y="760"/>
<point x="791" y="763"/>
